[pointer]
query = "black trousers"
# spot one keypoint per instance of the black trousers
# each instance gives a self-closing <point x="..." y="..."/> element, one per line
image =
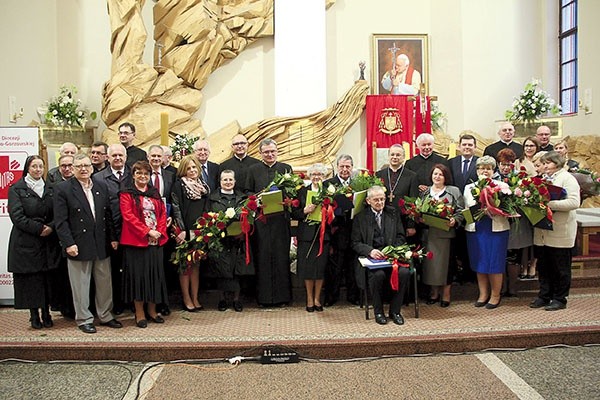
<point x="379" y="283"/>
<point x="340" y="268"/>
<point x="554" y="271"/>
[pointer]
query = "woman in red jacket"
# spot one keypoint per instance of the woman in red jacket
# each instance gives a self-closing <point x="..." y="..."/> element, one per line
<point x="143" y="235"/>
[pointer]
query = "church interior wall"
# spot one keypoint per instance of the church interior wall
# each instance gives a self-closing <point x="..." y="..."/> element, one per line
<point x="481" y="56"/>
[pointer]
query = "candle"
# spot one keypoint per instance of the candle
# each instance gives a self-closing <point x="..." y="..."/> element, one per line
<point x="164" y="128"/>
<point x="451" y="150"/>
<point x="407" y="153"/>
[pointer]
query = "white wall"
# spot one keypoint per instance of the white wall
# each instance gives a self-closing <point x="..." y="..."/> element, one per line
<point x="481" y="55"/>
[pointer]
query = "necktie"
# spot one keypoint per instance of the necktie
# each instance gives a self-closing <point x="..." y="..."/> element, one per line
<point x="465" y="169"/>
<point x="156" y="182"/>
<point x="204" y="174"/>
<point x="120" y="175"/>
<point x="378" y="219"/>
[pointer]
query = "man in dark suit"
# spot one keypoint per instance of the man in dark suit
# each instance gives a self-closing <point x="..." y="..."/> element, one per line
<point x="85" y="230"/>
<point x="126" y="137"/>
<point x="374" y="228"/>
<point x="340" y="266"/>
<point x="163" y="180"/>
<point x="209" y="170"/>
<point x="423" y="163"/>
<point x="463" y="168"/>
<point x="113" y="177"/>
<point x="464" y="171"/>
<point x="399" y="181"/>
<point x="506" y="134"/>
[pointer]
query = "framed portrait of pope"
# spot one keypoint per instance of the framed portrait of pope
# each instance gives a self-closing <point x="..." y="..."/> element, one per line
<point x="399" y="63"/>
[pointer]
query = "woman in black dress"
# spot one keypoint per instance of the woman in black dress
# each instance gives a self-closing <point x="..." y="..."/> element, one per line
<point x="143" y="234"/>
<point x="311" y="267"/>
<point x="229" y="265"/>
<point x="33" y="249"/>
<point x="189" y="199"/>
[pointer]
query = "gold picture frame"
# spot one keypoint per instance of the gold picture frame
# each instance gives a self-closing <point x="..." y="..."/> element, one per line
<point x="383" y="49"/>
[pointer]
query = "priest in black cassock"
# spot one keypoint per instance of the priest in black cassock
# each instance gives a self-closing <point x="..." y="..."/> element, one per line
<point x="271" y="240"/>
<point x="422" y="163"/>
<point x="506" y="134"/>
<point x="240" y="162"/>
<point x="399" y="181"/>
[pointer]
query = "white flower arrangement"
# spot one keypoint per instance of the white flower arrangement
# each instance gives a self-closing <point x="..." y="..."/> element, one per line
<point x="532" y="104"/>
<point x="64" y="110"/>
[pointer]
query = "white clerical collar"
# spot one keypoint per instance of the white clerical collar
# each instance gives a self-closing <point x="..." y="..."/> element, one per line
<point x="241" y="159"/>
<point x="226" y="191"/>
<point x="425" y="157"/>
<point x="506" y="143"/>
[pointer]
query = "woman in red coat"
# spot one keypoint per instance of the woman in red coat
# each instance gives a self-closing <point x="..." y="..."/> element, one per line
<point x="143" y="235"/>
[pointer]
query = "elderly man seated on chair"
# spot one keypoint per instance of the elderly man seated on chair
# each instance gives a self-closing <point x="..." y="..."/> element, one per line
<point x="374" y="228"/>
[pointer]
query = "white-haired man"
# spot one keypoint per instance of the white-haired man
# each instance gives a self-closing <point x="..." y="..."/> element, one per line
<point x="402" y="78"/>
<point x="67" y="149"/>
<point x="422" y="163"/>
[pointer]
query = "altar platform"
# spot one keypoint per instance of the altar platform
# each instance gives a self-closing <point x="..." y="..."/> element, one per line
<point x="340" y="332"/>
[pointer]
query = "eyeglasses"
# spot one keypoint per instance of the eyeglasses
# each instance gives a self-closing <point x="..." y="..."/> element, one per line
<point x="80" y="166"/>
<point x="239" y="143"/>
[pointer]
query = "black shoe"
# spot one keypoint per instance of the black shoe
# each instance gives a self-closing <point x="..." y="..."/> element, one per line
<point x="157" y="320"/>
<point x="431" y="301"/>
<point x="481" y="303"/>
<point x="238" y="306"/>
<point x="185" y="308"/>
<point x="555" y="305"/>
<point x="319" y="308"/>
<point x="397" y="318"/>
<point x="444" y="304"/>
<point x="113" y="323"/>
<point x="538" y="303"/>
<point x="380" y="319"/>
<point x="47" y="321"/>
<point x="35" y="322"/>
<point x="222" y="306"/>
<point x="87" y="328"/>
<point x="491" y="306"/>
<point x="142" y="323"/>
<point x="165" y="310"/>
<point x="310" y="309"/>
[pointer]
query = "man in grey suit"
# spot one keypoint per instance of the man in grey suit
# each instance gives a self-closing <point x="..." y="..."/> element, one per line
<point x="85" y="230"/>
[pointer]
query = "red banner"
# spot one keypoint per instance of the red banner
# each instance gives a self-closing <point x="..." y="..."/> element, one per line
<point x="389" y="121"/>
<point x="423" y="115"/>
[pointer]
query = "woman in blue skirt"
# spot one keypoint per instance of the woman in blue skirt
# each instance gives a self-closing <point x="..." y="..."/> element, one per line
<point x="487" y="242"/>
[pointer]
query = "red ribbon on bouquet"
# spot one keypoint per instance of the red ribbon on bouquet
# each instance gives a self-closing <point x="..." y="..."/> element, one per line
<point x="246" y="228"/>
<point x="394" y="281"/>
<point x="486" y="199"/>
<point x="327" y="216"/>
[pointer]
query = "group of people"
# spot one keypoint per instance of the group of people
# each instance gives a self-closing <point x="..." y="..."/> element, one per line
<point x="117" y="213"/>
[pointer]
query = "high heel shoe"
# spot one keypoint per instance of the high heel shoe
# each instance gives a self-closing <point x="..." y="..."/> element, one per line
<point x="185" y="308"/>
<point x="481" y="303"/>
<point x="318" y="308"/>
<point x="491" y="306"/>
<point x="142" y="323"/>
<point x="431" y="301"/>
<point x="157" y="320"/>
<point x="310" y="309"/>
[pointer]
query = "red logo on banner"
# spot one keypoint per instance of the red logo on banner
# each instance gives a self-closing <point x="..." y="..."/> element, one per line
<point x="10" y="171"/>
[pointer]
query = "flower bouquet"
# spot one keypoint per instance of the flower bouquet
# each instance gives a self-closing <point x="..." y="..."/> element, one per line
<point x="403" y="256"/>
<point x="531" y="104"/>
<point x="427" y="210"/>
<point x="362" y="181"/>
<point x="184" y="145"/>
<point x="589" y="182"/>
<point x="64" y="111"/>
<point x="533" y="197"/>
<point x="324" y="214"/>
<point x="493" y="198"/>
